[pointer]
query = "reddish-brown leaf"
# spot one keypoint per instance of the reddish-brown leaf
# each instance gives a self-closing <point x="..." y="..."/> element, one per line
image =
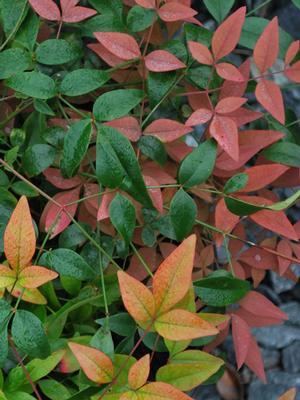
<point x="266" y="49"/>
<point x="229" y="72"/>
<point x="293" y="72"/>
<point x="269" y="95"/>
<point x="200" y="53"/>
<point x="199" y="117"/>
<point x="173" y="11"/>
<point x="34" y="276"/>
<point x="167" y="130"/>
<point x="256" y="321"/>
<point x="285" y="248"/>
<point x="161" y="391"/>
<point x="146" y="3"/>
<point x="54" y="176"/>
<point x="225" y="131"/>
<point x="97" y="366"/>
<point x="224" y="220"/>
<point x="139" y="372"/>
<point x="241" y="339"/>
<point x="137" y="298"/>
<point x="136" y="268"/>
<point x="228" y="34"/>
<point x="19" y="236"/>
<point x="262" y="175"/>
<point x="55" y="218"/>
<point x="162" y="61"/>
<point x="121" y="45"/>
<point x="258" y="304"/>
<point x="129" y="126"/>
<point x="72" y="13"/>
<point x="254" y="360"/>
<point x="46" y="9"/>
<point x="292" y="51"/>
<point x="229" y="104"/>
<point x="172" y="280"/>
<point x="258" y="258"/>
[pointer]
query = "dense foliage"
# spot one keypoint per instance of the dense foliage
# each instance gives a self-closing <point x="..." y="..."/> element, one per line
<point x="142" y="161"/>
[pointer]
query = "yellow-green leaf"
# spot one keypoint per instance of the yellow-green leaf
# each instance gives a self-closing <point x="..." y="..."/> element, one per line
<point x="7" y="276"/>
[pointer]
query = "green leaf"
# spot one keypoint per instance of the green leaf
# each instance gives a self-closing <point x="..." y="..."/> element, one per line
<point x="198" y="34"/>
<point x="76" y="144"/>
<point x="37" y="158"/>
<point x="183" y="212"/>
<point x="72" y="237"/>
<point x="83" y="81"/>
<point x="116" y="103"/>
<point x="54" y="390"/>
<point x="102" y="23"/>
<point x="13" y="61"/>
<point x="32" y="84"/>
<point x="253" y="28"/>
<point x="121" y="324"/>
<point x="219" y="8"/>
<point x="5" y="310"/>
<point x="103" y="341"/>
<point x="56" y="52"/>
<point x="140" y="18"/>
<point x="122" y="216"/>
<point x="221" y="291"/>
<point x="12" y="12"/>
<point x="189" y="369"/>
<point x="117" y="165"/>
<point x="29" y="335"/>
<point x="42" y="107"/>
<point x="68" y="263"/>
<point x="107" y="7"/>
<point x="296" y="3"/>
<point x="23" y="189"/>
<point x="236" y="183"/>
<point x="19" y="396"/>
<point x="158" y="85"/>
<point x="197" y="167"/>
<point x="27" y="33"/>
<point x="286" y="153"/>
<point x="153" y="148"/>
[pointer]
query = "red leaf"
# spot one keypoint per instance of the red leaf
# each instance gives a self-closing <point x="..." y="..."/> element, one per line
<point x="292" y="51"/>
<point x="146" y="3"/>
<point x="256" y="321"/>
<point x="53" y="212"/>
<point x="224" y="220"/>
<point x="73" y="13"/>
<point x="258" y="258"/>
<point x="136" y="269"/>
<point x="106" y="199"/>
<point x="167" y="130"/>
<point x="262" y="175"/>
<point x="241" y="339"/>
<point x="160" y="174"/>
<point x="269" y="96"/>
<point x="228" y="34"/>
<point x="54" y="176"/>
<point x="244" y="116"/>
<point x="250" y="143"/>
<point x="121" y="45"/>
<point x="46" y="9"/>
<point x="254" y="360"/>
<point x="267" y="47"/>
<point x="162" y="61"/>
<point x="154" y="193"/>
<point x="229" y="72"/>
<point x="258" y="304"/>
<point x="293" y="72"/>
<point x="106" y="55"/>
<point x="229" y="104"/>
<point x="200" y="53"/>
<point x="284" y="247"/>
<point x="199" y="117"/>
<point x="129" y="126"/>
<point x="234" y="89"/>
<point x="174" y="11"/>
<point x="225" y="131"/>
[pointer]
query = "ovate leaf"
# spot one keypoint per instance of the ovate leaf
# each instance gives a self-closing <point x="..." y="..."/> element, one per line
<point x="139" y="372"/>
<point x="37" y="158"/>
<point x="13" y="61"/>
<point x="122" y="216"/>
<point x="33" y="84"/>
<point x="183" y="212"/>
<point x="56" y="52"/>
<point x="218" y="8"/>
<point x="83" y="81"/>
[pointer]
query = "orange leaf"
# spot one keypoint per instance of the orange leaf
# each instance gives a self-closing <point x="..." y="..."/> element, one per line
<point x="292" y="51"/>
<point x="173" y="11"/>
<point x="241" y="339"/>
<point x="129" y="126"/>
<point x="229" y="72"/>
<point x="137" y="298"/>
<point x="161" y="391"/>
<point x="266" y="49"/>
<point x="96" y="365"/>
<point x="162" y="61"/>
<point x="229" y="104"/>
<point x="293" y="72"/>
<point x="225" y="131"/>
<point x="139" y="372"/>
<point x="269" y="95"/>
<point x="172" y="280"/>
<point x="228" y="34"/>
<point x="33" y="277"/>
<point x="167" y="130"/>
<point x="199" y="117"/>
<point x="289" y="395"/>
<point x="262" y="175"/>
<point x="146" y="3"/>
<point x="7" y="276"/>
<point x="200" y="53"/>
<point x="19" y="236"/>
<point x="183" y="325"/>
<point x="121" y="45"/>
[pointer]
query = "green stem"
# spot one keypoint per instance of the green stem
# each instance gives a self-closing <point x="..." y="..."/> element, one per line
<point x="16" y="27"/>
<point x="83" y="115"/>
<point x="143" y="262"/>
<point x="258" y="7"/>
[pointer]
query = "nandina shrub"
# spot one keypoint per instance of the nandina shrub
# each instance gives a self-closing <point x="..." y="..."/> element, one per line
<point x="151" y="150"/>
